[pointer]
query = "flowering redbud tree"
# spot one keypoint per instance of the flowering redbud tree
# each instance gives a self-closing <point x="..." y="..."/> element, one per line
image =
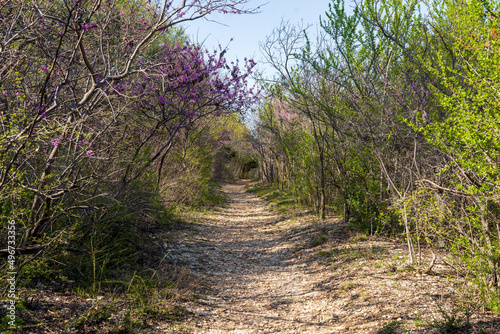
<point x="87" y="89"/>
<point x="183" y="85"/>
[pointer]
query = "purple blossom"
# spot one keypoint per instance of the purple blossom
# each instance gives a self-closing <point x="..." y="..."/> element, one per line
<point x="197" y="83"/>
<point x="42" y="115"/>
<point x="222" y="142"/>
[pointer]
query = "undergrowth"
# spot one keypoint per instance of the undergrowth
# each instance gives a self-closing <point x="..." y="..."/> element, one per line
<point x="281" y="200"/>
<point x="117" y="265"/>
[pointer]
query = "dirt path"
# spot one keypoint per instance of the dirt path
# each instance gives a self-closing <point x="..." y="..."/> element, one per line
<point x="264" y="276"/>
<point x="259" y="284"/>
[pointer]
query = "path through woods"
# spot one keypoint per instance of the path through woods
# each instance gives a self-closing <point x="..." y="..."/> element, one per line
<point x="264" y="276"/>
<point x="259" y="284"/>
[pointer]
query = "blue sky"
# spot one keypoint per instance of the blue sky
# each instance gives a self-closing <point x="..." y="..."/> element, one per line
<point x="248" y="30"/>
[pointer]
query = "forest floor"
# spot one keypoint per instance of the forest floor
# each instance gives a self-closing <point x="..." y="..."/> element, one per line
<point x="269" y="273"/>
<point x="245" y="268"/>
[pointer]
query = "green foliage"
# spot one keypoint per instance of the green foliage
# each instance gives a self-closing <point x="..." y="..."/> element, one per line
<point x="471" y="93"/>
<point x="6" y="322"/>
<point x="390" y="328"/>
<point x="282" y="201"/>
<point x="319" y="240"/>
<point x="466" y="130"/>
<point x="144" y="297"/>
<point x="452" y="320"/>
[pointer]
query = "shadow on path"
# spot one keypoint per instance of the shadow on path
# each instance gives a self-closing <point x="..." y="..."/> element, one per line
<point x="257" y="281"/>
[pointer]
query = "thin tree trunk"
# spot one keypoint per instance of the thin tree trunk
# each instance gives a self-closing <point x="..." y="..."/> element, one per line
<point x="408" y="235"/>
